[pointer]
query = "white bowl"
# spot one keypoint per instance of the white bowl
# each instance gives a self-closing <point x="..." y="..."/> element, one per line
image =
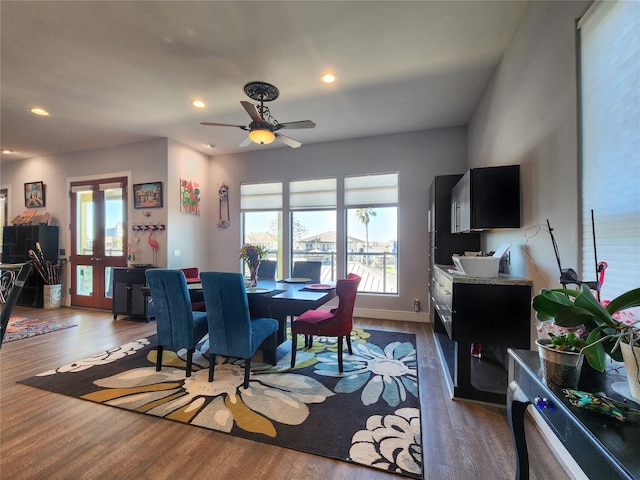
<point x="484" y="267"/>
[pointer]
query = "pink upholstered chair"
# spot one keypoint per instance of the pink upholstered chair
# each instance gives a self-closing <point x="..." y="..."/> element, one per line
<point x="192" y="274"/>
<point x="335" y="323"/>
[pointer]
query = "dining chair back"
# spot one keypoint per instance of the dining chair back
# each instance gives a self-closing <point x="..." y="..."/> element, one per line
<point x="267" y="270"/>
<point x="12" y="297"/>
<point x="312" y="270"/>
<point x="335" y="323"/>
<point x="232" y="333"/>
<point x="178" y="326"/>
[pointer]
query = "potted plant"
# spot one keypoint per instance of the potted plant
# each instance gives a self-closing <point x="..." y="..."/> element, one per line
<point x="572" y="308"/>
<point x="252" y="255"/>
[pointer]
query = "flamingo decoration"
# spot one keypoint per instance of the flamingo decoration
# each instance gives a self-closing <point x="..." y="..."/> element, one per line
<point x="154" y="246"/>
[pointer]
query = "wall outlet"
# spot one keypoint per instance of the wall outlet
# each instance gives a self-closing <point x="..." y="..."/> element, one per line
<point x="176" y="252"/>
<point x="416" y="305"/>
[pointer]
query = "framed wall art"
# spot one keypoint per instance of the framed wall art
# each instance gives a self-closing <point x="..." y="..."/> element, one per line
<point x="189" y="197"/>
<point x="147" y="195"/>
<point x="34" y="195"/>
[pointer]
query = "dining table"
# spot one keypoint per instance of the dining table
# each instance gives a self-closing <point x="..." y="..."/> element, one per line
<point x="281" y="299"/>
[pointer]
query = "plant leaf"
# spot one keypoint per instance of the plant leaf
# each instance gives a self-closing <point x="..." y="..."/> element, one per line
<point x="629" y="299"/>
<point x="595" y="354"/>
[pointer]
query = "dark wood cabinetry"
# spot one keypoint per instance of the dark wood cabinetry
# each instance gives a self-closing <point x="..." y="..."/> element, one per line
<point x="128" y="295"/>
<point x="17" y="240"/>
<point x="494" y="312"/>
<point x="442" y="243"/>
<point x="486" y="198"/>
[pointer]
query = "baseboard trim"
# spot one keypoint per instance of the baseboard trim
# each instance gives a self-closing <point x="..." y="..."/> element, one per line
<point x="420" y="317"/>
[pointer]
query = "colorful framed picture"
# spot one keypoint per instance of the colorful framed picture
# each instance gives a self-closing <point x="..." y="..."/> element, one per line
<point x="34" y="195"/>
<point x="189" y="197"/>
<point x="147" y="195"/>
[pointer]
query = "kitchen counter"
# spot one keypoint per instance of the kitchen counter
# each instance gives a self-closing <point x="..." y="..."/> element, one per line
<point x="501" y="279"/>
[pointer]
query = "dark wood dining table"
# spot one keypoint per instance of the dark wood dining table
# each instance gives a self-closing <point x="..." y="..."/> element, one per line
<point x="284" y="299"/>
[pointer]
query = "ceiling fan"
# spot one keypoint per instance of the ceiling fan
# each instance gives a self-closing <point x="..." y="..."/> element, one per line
<point x="264" y="128"/>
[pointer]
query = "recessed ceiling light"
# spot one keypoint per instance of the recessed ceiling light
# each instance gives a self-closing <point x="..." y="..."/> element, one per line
<point x="7" y="151"/>
<point x="39" y="111"/>
<point x="198" y="103"/>
<point x="211" y="145"/>
<point x="328" y="78"/>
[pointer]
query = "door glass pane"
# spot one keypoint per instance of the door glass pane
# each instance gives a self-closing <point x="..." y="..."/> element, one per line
<point x="85" y="225"/>
<point x="108" y="287"/>
<point x="314" y="239"/>
<point x="114" y="222"/>
<point x="84" y="274"/>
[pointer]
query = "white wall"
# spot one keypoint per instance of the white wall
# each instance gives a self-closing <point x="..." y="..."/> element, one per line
<point x="528" y="116"/>
<point x="186" y="232"/>
<point x="417" y="156"/>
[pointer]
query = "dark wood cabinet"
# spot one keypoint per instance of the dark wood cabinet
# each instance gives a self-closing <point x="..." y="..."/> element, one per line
<point x="494" y="312"/>
<point x="486" y="198"/>
<point x="128" y="295"/>
<point x="17" y="240"/>
<point x="442" y="243"/>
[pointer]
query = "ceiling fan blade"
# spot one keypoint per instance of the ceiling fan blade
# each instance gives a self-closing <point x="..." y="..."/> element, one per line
<point x="300" y="124"/>
<point x="252" y="111"/>
<point x="212" y="124"/>
<point x="247" y="141"/>
<point x="288" y="141"/>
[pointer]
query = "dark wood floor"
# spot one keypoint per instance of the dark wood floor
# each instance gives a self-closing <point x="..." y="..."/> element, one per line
<point x="46" y="435"/>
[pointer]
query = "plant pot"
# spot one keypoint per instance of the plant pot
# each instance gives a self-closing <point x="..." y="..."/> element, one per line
<point x="51" y="296"/>
<point x="631" y="357"/>
<point x="559" y="367"/>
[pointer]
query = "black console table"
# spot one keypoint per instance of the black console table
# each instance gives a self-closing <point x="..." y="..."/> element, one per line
<point x="603" y="446"/>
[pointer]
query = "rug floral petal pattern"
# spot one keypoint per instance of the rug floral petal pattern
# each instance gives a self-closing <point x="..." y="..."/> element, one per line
<point x="368" y="415"/>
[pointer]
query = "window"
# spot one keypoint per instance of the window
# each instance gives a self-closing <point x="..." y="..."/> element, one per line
<point x="371" y="206"/>
<point x="261" y="205"/>
<point x="302" y="217"/>
<point x="313" y="223"/>
<point x="610" y="136"/>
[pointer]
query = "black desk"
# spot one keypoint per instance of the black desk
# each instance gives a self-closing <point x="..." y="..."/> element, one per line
<point x="604" y="447"/>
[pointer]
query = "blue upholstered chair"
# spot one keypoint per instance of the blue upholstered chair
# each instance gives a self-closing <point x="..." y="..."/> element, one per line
<point x="177" y="324"/>
<point x="310" y="270"/>
<point x="232" y="333"/>
<point x="267" y="270"/>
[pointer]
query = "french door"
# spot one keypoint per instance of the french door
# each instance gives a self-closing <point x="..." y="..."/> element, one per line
<point x="98" y="239"/>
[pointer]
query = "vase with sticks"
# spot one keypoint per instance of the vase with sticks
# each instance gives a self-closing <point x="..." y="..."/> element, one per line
<point x="50" y="274"/>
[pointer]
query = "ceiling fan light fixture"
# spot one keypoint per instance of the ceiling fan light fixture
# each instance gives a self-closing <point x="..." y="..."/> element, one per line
<point x="262" y="136"/>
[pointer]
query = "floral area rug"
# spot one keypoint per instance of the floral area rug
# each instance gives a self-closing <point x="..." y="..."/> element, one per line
<point x="369" y="415"/>
<point x="21" y="327"/>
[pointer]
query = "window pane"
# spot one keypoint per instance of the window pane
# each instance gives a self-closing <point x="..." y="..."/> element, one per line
<point x="314" y="239"/>
<point x="264" y="229"/>
<point x="261" y="196"/>
<point x="371" y="189"/>
<point x="372" y="248"/>
<point x="610" y="100"/>
<point x="312" y="193"/>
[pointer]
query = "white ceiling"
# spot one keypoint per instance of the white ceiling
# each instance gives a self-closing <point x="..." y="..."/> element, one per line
<point x="113" y="73"/>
